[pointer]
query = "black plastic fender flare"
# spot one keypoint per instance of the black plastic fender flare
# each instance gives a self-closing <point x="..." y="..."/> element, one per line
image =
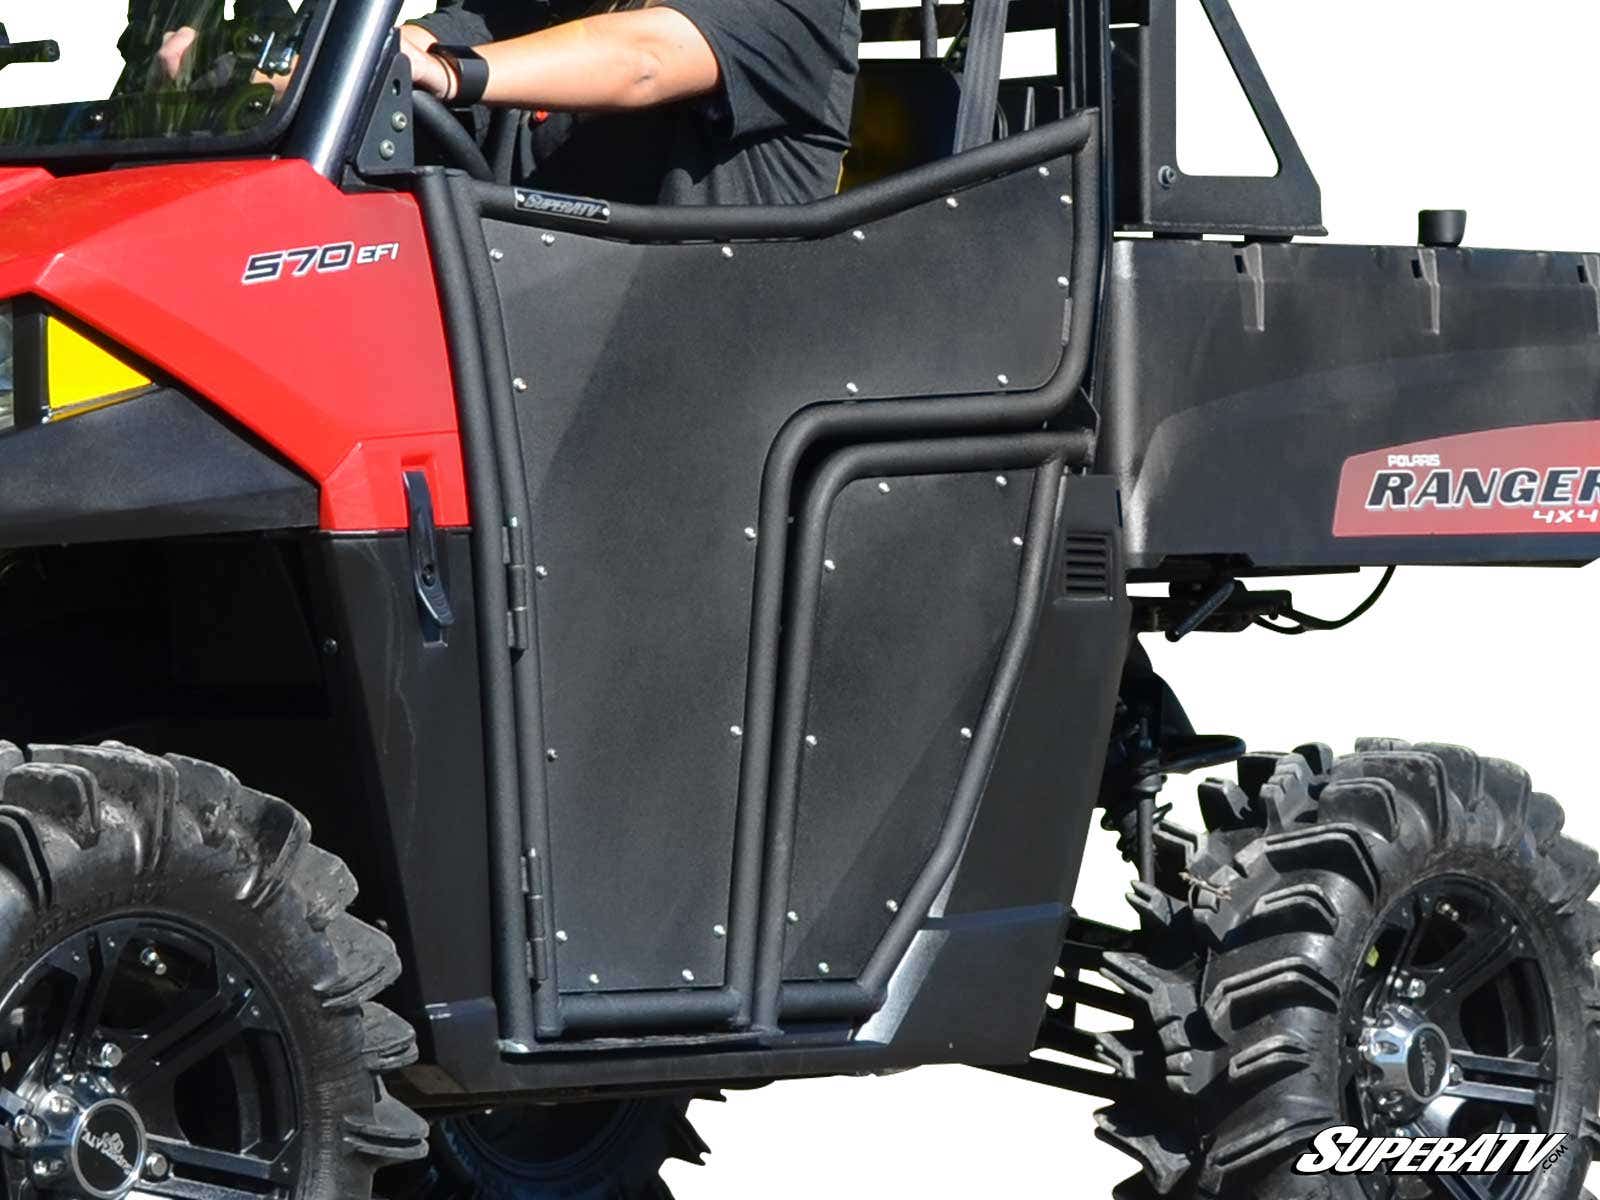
<point x="156" y="465"/>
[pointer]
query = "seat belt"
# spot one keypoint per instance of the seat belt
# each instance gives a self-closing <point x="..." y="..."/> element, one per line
<point x="980" y="74"/>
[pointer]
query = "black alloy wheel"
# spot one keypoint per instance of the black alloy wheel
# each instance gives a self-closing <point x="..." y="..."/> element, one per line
<point x="185" y="1003"/>
<point x="147" y="1049"/>
<point x="1449" y="1031"/>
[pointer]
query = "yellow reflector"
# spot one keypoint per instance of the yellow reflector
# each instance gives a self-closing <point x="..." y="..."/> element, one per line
<point x="82" y="374"/>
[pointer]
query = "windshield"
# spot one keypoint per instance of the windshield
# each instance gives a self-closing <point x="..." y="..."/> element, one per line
<point x="101" y="76"/>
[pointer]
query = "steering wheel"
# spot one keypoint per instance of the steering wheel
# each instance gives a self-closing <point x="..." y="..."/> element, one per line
<point x="460" y="150"/>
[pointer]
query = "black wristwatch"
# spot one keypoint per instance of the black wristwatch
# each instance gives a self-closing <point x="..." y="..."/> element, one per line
<point x="471" y="72"/>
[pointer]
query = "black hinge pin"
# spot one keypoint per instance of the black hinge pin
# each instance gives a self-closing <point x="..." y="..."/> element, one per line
<point x="533" y="897"/>
<point x="516" y="559"/>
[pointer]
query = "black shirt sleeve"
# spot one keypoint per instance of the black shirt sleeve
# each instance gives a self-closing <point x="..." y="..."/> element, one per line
<point x="474" y="22"/>
<point x="779" y="59"/>
<point x="455" y="24"/>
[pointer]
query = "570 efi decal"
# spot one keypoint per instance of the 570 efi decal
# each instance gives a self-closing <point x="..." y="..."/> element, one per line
<point x="1526" y="479"/>
<point x="273" y="265"/>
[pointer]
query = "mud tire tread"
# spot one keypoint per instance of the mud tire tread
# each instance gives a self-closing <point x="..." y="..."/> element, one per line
<point x="1239" y="983"/>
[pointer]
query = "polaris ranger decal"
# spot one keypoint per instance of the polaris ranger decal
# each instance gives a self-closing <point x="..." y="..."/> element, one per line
<point x="1527" y="479"/>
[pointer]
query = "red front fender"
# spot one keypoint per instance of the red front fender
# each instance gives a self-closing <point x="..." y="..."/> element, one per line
<point x="333" y="353"/>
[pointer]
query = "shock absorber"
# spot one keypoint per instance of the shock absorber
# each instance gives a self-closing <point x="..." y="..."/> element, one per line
<point x="1151" y="739"/>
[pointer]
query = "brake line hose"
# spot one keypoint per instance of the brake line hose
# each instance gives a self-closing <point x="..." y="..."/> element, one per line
<point x="1306" y="623"/>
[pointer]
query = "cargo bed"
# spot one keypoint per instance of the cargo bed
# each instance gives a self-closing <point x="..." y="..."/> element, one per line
<point x="1285" y="405"/>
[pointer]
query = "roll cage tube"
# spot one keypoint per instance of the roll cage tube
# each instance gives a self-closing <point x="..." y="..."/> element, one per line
<point x="338" y="91"/>
<point x="454" y="141"/>
<point x="339" y="96"/>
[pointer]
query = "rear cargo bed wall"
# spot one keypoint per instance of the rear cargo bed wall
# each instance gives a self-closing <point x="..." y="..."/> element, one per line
<point x="1239" y="379"/>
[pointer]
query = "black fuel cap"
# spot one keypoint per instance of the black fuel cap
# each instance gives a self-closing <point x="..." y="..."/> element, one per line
<point x="1441" y="227"/>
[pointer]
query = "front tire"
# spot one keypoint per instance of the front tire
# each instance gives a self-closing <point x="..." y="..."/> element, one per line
<point x="1402" y="896"/>
<point x="185" y="1003"/>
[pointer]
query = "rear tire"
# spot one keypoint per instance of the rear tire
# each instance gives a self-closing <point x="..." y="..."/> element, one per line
<point x="602" y="1150"/>
<point x="1330" y="901"/>
<point x="172" y="939"/>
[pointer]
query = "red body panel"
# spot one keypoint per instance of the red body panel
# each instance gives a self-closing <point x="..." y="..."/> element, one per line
<point x="343" y="370"/>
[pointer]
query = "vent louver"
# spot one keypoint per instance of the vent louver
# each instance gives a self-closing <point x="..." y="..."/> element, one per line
<point x="1086" y="566"/>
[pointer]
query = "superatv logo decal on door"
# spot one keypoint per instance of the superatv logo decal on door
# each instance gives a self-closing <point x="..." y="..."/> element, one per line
<point x="553" y="203"/>
<point x="1344" y="1150"/>
<point x="1526" y="479"/>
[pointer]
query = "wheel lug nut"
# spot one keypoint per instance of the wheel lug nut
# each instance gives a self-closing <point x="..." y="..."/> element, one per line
<point x="1413" y="988"/>
<point x="109" y="1056"/>
<point x="28" y="1130"/>
<point x="156" y="1165"/>
<point x="1455" y="1073"/>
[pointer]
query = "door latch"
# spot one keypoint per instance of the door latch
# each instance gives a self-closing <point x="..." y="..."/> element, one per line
<point x="427" y="572"/>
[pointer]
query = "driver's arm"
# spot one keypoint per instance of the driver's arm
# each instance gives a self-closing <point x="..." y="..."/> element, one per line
<point x="639" y="58"/>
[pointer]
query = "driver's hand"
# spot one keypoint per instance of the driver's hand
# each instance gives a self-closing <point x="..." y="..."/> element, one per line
<point x="175" y="47"/>
<point x="427" y="71"/>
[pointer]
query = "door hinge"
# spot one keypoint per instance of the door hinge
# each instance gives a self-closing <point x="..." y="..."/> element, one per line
<point x="517" y="597"/>
<point x="533" y="898"/>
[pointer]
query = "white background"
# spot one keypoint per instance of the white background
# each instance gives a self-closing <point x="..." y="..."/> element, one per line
<point x="1399" y="105"/>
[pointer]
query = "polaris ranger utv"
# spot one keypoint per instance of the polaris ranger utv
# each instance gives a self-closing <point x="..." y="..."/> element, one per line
<point x="705" y="633"/>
